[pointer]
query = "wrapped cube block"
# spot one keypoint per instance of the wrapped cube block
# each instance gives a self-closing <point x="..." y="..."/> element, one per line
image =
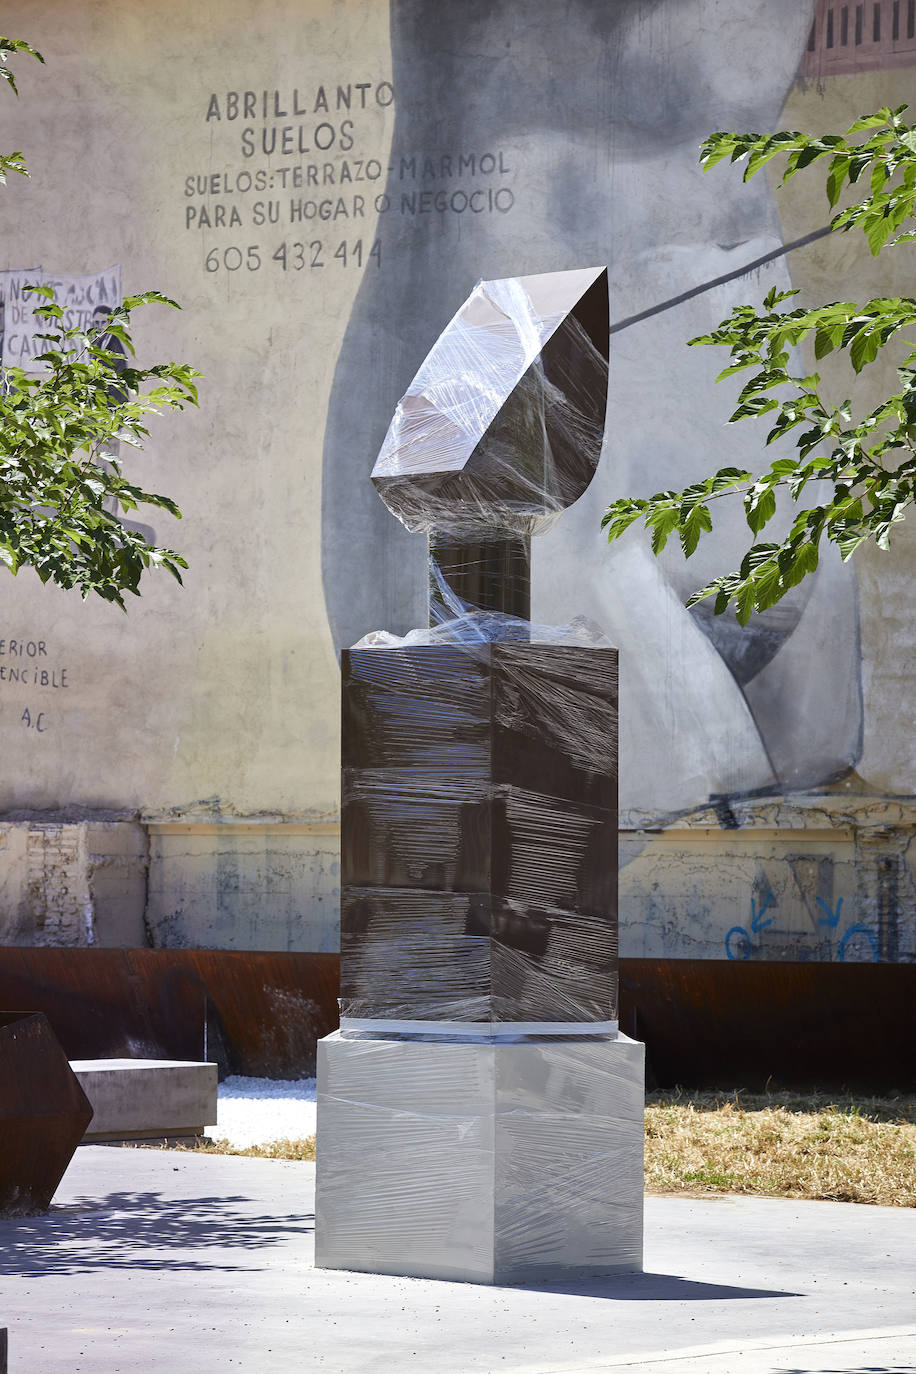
<point x="489" y="1163"/>
<point x="479" y="835"/>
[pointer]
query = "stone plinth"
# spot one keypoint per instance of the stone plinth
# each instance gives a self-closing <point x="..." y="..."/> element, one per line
<point x="136" y="1099"/>
<point x="489" y="1163"/>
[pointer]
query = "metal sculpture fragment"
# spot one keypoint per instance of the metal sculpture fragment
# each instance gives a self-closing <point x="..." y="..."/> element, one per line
<point x="43" y="1112"/>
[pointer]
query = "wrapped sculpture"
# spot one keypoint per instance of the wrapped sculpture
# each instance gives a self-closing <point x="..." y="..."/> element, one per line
<point x="480" y="1117"/>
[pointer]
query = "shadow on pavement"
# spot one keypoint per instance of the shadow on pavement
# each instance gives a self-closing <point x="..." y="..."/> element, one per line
<point x="654" y="1288"/>
<point x="859" y="1369"/>
<point x="143" y="1232"/>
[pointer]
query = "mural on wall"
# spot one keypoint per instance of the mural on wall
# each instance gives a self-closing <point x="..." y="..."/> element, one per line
<point x="590" y="118"/>
<point x="320" y="197"/>
<point x="587" y="121"/>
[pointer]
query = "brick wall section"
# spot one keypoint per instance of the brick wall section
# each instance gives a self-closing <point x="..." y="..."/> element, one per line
<point x="72" y="884"/>
<point x="57" y="899"/>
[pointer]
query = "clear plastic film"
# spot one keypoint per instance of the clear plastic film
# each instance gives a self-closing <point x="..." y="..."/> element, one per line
<point x="480" y="1162"/>
<point x="479" y="770"/>
<point x="501" y="428"/>
<point x="480" y="828"/>
<point x="480" y="1116"/>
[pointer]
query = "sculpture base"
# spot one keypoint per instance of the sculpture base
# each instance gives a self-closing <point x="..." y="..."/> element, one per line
<point x="480" y="1162"/>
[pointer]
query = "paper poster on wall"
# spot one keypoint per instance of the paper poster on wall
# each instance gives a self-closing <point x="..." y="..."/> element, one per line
<point x="86" y="299"/>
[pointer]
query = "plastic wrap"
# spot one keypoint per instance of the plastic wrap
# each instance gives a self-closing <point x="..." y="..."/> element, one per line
<point x="501" y="428"/>
<point x="479" y="828"/>
<point x="479" y="1116"/>
<point x="479" y="832"/>
<point x="480" y="1162"/>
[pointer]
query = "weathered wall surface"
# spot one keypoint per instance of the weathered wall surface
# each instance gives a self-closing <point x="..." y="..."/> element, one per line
<point x="320" y="184"/>
<point x="219" y="701"/>
<point x="261" y="885"/>
<point x="73" y="883"/>
<point x="816" y="878"/>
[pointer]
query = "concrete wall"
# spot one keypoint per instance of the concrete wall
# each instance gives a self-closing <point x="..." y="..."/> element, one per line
<point x="73" y="883"/>
<point x="320" y="184"/>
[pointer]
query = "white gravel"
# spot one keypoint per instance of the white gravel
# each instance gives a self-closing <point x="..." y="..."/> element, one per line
<point x="253" y="1111"/>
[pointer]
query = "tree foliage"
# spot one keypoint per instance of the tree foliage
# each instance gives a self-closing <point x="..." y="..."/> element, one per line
<point x="62" y="480"/>
<point x="13" y="162"/>
<point x="864" y="463"/>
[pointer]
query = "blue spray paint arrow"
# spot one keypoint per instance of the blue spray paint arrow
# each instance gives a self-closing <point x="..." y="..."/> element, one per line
<point x="833" y="917"/>
<point x="757" y="921"/>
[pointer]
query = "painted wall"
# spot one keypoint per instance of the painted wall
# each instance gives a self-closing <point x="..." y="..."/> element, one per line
<point x="320" y="184"/>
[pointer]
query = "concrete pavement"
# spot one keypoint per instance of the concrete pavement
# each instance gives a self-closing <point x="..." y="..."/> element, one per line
<point x="162" y="1260"/>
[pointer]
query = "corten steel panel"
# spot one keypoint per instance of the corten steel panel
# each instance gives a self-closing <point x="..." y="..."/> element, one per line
<point x="479" y="833"/>
<point x="257" y="1013"/>
<point x="717" y="1023"/>
<point x="43" y="1112"/>
<point x="705" y="1022"/>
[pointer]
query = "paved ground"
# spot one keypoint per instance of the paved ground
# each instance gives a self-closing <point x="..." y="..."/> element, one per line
<point x="157" y="1260"/>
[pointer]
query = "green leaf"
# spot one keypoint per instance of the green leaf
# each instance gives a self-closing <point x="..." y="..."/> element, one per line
<point x="836" y="178"/>
<point x="745" y="600"/>
<point x="7" y="47"/>
<point x="878" y="232"/>
<point x="693" y="524"/>
<point x="775" y="297"/>
<point x="662" y="523"/>
<point x="720" y="588"/>
<point x="759" y="405"/>
<point x="715" y="149"/>
<point x="760" y="506"/>
<point x="872" y="121"/>
<point x="618" y="518"/>
<point x="863" y="349"/>
<point x="806" y="560"/>
<point x="768" y="587"/>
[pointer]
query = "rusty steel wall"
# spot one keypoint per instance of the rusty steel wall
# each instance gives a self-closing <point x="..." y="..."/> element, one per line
<point x="253" y="1013"/>
<point x="705" y="1022"/>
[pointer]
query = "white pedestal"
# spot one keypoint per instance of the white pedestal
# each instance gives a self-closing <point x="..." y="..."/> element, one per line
<point x="489" y="1163"/>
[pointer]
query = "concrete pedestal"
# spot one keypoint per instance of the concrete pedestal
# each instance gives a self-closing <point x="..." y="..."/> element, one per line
<point x="483" y="1162"/>
<point x="147" y="1099"/>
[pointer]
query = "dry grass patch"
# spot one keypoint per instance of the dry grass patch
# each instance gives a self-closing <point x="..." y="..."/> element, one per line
<point x="774" y="1145"/>
<point x="274" y="1149"/>
<point x="783" y="1145"/>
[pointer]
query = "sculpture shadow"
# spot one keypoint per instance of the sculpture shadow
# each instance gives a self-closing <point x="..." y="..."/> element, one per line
<point x="143" y="1231"/>
<point x="648" y="1287"/>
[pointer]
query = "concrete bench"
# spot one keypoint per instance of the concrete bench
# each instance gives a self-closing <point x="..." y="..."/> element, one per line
<point x="147" y="1099"/>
